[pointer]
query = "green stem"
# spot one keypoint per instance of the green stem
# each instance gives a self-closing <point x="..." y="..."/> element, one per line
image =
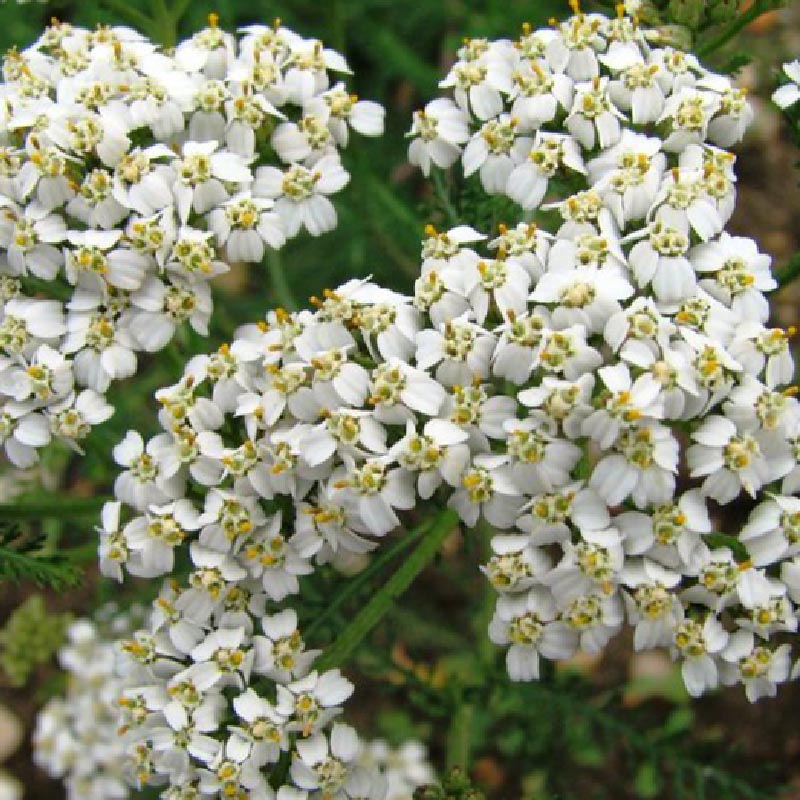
<point x="64" y="507"/>
<point x="375" y="610"/>
<point x="788" y="272"/>
<point x="283" y="290"/>
<point x="758" y="8"/>
<point x="459" y="736"/>
<point x="165" y="23"/>
<point x="179" y="9"/>
<point x="443" y="194"/>
<point x="353" y="587"/>
<point x="132" y="15"/>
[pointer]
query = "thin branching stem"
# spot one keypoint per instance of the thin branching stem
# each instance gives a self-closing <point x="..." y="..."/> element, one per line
<point x="381" y="603"/>
<point x="738" y="24"/>
<point x="280" y="284"/>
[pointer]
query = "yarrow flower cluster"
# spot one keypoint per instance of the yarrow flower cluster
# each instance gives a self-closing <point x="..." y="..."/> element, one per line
<point x="77" y="736"/>
<point x="130" y="177"/>
<point x="83" y="737"/>
<point x="650" y="389"/>
<point x="597" y="393"/>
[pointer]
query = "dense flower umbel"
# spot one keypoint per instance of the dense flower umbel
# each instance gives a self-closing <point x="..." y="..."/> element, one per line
<point x="86" y="736"/>
<point x="78" y="736"/>
<point x="594" y="392"/>
<point x="130" y="177"/>
<point x="607" y="478"/>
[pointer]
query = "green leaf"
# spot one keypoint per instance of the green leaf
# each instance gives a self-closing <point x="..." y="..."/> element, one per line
<point x="25" y="560"/>
<point x="372" y="613"/>
<point x="56" y="508"/>
<point x="648" y="781"/>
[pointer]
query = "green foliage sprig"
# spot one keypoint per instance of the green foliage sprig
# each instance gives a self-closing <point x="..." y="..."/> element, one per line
<point x="26" y="557"/>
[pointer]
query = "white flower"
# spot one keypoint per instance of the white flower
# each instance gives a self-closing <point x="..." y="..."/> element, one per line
<point x="629" y="402"/>
<point x="771" y="532"/>
<point x="582" y="296"/>
<point x="154" y="537"/>
<point x="759" y="668"/>
<point x="461" y="349"/>
<point x="48" y="378"/>
<point x="528" y="623"/>
<point x="688" y="113"/>
<point x="733" y="116"/>
<point x="764" y="352"/>
<point x="405" y="768"/>
<point x="593" y="117"/>
<point x="438" y="131"/>
<point x="732" y="461"/>
<point x="328" y="766"/>
<point x="594" y="618"/>
<point x="200" y="174"/>
<point x="636" y="88"/>
<point x="314" y="700"/>
<point x="788" y="94"/>
<point x="95" y="259"/>
<point x="495" y="150"/>
<point x="300" y="194"/>
<point x="527" y="183"/>
<point x="699" y="644"/>
<point x="481" y="79"/>
<point x="661" y="260"/>
<point x="142" y="483"/>
<point x="375" y="491"/>
<point x="29" y="237"/>
<point x="643" y="467"/>
<point x="22" y="430"/>
<point x="245" y="225"/>
<point x="487" y="487"/>
<point x="343" y="109"/>
<point x="628" y="175"/>
<point x="741" y="274"/>
<point x="652" y="607"/>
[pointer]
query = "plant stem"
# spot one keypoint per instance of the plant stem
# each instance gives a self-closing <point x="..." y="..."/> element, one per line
<point x="443" y="194"/>
<point x="758" y="8"/>
<point x="375" y="610"/>
<point x="788" y="272"/>
<point x="459" y="736"/>
<point x="64" y="507"/>
<point x="283" y="290"/>
<point x="164" y="23"/>
<point x="354" y="586"/>
<point x="132" y="15"/>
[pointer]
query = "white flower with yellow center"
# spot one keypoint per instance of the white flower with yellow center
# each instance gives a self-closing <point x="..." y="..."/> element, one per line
<point x="245" y="225"/>
<point x="29" y="236"/>
<point x="494" y="151"/>
<point x="626" y="403"/>
<point x="438" y="133"/>
<point x="528" y="623"/>
<point x="301" y="193"/>
<point x="698" y="643"/>
<point x="551" y="153"/>
<point x="758" y="667"/>
<point x="593" y="118"/>
<point x="487" y="488"/>
<point x="460" y="350"/>
<point x="659" y="259"/>
<point x="643" y="467"/>
<point x="741" y="274"/>
<point x="731" y="460"/>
